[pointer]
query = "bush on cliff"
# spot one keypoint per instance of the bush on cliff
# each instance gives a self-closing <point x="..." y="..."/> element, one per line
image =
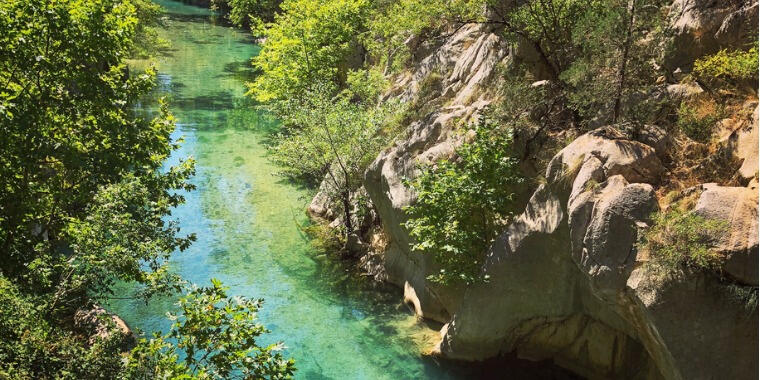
<point x="679" y="239"/>
<point x="462" y="205"/>
<point x="332" y="137"/>
<point x="732" y="69"/>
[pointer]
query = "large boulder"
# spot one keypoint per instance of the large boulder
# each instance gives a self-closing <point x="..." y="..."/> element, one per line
<point x="694" y="327"/>
<point x="100" y="324"/>
<point x="737" y="207"/>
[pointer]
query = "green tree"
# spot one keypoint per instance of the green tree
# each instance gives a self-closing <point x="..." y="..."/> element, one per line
<point x="251" y="13"/>
<point x="217" y="337"/>
<point x="393" y="23"/>
<point x="463" y="204"/>
<point x="679" y="239"/>
<point x="71" y="136"/>
<point x="310" y="41"/>
<point x="729" y="69"/>
<point x="619" y="42"/>
<point x="35" y="348"/>
<point x="334" y="138"/>
<point x="85" y="197"/>
<point x="146" y="40"/>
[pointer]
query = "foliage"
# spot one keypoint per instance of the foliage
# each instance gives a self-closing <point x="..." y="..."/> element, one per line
<point x="331" y="137"/>
<point x="217" y="338"/>
<point x="744" y="295"/>
<point x="325" y="238"/>
<point x="618" y="42"/>
<point x="252" y="13"/>
<point x="547" y="26"/>
<point x="85" y="197"/>
<point x="34" y="348"/>
<point x="462" y="205"/>
<point x="365" y="85"/>
<point x="698" y="119"/>
<point x="678" y="238"/>
<point x="70" y="136"/>
<point x="146" y="40"/>
<point x="310" y="41"/>
<point x="393" y="23"/>
<point x="731" y="67"/>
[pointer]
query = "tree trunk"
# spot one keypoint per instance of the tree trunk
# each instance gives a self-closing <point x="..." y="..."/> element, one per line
<point x="347" y="213"/>
<point x="624" y="60"/>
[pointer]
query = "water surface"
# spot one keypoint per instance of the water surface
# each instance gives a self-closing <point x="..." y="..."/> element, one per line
<point x="335" y="324"/>
<point x="247" y="221"/>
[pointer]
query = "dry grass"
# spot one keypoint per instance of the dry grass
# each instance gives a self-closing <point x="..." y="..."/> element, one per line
<point x="692" y="162"/>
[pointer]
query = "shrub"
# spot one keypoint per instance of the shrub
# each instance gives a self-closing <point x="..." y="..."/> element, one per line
<point x="733" y="67"/>
<point x="462" y="206"/>
<point x="32" y="347"/>
<point x="325" y="238"/>
<point x="680" y="239"/>
<point x="698" y="120"/>
<point x="216" y="336"/>
<point x="743" y="295"/>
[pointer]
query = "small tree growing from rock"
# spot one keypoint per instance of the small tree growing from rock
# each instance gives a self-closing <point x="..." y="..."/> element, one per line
<point x="333" y="138"/>
<point x="462" y="205"/>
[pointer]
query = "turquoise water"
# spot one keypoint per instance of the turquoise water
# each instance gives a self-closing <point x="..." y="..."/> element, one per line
<point x="246" y="218"/>
<point x="335" y="324"/>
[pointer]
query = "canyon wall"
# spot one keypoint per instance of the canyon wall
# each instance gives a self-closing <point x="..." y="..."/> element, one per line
<point x="567" y="280"/>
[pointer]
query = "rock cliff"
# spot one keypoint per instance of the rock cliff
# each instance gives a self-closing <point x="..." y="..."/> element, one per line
<point x="568" y="281"/>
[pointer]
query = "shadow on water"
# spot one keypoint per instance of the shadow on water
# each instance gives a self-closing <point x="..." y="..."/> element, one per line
<point x="242" y="71"/>
<point x="217" y="101"/>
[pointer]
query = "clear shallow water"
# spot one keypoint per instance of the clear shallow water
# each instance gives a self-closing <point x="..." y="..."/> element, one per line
<point x="335" y="324"/>
<point x="246" y="218"/>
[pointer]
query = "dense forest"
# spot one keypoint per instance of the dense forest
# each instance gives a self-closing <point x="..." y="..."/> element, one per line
<point x="85" y="204"/>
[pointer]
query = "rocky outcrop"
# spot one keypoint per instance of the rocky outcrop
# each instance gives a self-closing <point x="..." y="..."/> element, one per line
<point x="567" y="280"/>
<point x="746" y="149"/>
<point x="101" y="324"/>
<point x="702" y="27"/>
<point x="572" y="286"/>
<point x="464" y="63"/>
<point x="737" y="207"/>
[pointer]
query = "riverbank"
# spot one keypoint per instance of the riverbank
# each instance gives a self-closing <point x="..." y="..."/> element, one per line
<point x="247" y="219"/>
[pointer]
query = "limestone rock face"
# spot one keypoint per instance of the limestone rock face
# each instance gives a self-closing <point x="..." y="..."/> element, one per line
<point x="746" y="149"/>
<point x="703" y="27"/>
<point x="567" y="281"/>
<point x="465" y="63"/>
<point x="695" y="328"/>
<point x="737" y="206"/>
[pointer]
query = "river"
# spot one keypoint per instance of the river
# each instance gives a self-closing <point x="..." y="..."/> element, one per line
<point x="335" y="324"/>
